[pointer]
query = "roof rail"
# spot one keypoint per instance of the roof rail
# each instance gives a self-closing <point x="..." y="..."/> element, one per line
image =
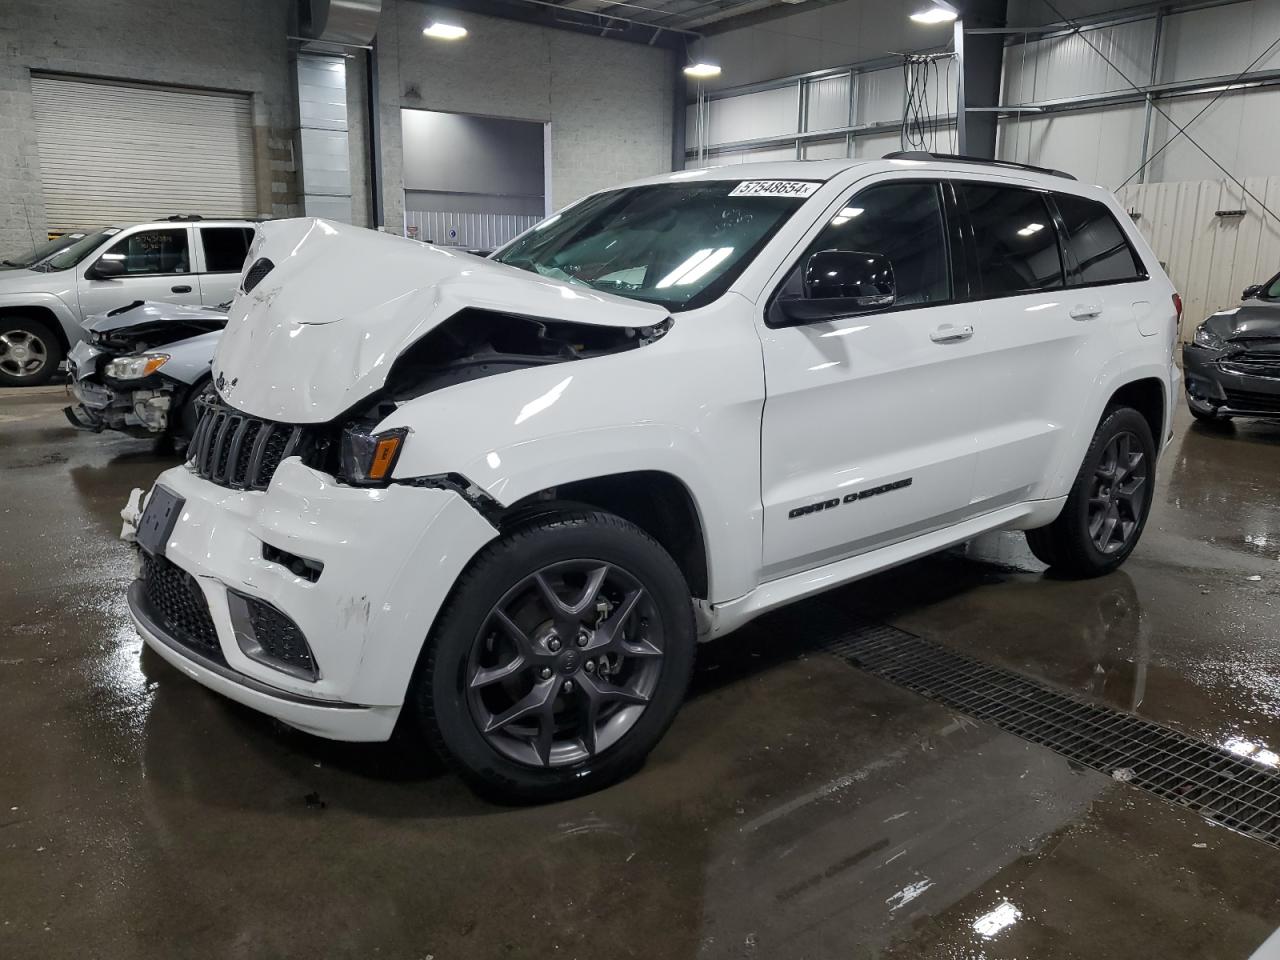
<point x="957" y="158"/>
<point x="183" y="217"/>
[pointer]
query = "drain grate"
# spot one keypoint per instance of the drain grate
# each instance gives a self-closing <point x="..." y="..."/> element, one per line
<point x="1215" y="782"/>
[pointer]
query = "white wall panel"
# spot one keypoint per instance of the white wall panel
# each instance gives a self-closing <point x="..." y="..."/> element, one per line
<point x="1210" y="259"/>
<point x="1241" y="131"/>
<point x="1097" y="146"/>
<point x="751" y="116"/>
<point x="880" y="95"/>
<point x="826" y="149"/>
<point x="1067" y="66"/>
<point x="1219" y="40"/>
<point x="875" y="146"/>
<point x="827" y="104"/>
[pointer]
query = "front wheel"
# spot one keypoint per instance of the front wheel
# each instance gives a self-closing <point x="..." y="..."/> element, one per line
<point x="29" y="352"/>
<point x="560" y="658"/>
<point x="1108" y="505"/>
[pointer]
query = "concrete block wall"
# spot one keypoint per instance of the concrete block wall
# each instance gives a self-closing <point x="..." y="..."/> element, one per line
<point x="235" y="45"/>
<point x="607" y="103"/>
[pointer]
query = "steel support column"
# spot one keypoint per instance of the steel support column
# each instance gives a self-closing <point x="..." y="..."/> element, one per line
<point x="981" y="57"/>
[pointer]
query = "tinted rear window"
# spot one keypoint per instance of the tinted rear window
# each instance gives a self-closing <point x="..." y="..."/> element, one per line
<point x="1014" y="238"/>
<point x="225" y="248"/>
<point x="1101" y="251"/>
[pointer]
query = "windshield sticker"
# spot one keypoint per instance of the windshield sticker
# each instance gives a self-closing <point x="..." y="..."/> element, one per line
<point x="775" y="188"/>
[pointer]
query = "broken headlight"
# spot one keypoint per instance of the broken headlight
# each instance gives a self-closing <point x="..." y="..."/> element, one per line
<point x="135" y="368"/>
<point x="368" y="458"/>
<point x="1207" y="338"/>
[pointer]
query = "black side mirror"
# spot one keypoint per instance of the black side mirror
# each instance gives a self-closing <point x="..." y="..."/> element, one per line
<point x="106" y="269"/>
<point x="1251" y="292"/>
<point x="840" y="283"/>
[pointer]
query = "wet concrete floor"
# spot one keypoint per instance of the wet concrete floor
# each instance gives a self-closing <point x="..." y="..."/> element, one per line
<point x="798" y="808"/>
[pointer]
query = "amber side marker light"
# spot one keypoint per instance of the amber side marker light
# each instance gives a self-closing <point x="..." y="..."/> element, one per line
<point x="384" y="455"/>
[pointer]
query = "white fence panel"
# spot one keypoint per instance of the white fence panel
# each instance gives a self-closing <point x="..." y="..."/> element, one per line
<point x="1210" y="259"/>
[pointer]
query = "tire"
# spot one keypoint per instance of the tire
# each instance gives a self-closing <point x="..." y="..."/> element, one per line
<point x="1075" y="545"/>
<point x="637" y="645"/>
<point x="29" y="352"/>
<point x="185" y="427"/>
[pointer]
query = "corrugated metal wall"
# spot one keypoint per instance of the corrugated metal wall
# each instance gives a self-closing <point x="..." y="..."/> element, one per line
<point x="322" y="121"/>
<point x="482" y="231"/>
<point x="119" y="153"/>
<point x="1104" y="145"/>
<point x="830" y="103"/>
<point x="1210" y="259"/>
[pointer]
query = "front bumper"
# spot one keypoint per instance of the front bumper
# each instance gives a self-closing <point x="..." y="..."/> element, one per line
<point x="138" y="408"/>
<point x="1230" y="386"/>
<point x="390" y="557"/>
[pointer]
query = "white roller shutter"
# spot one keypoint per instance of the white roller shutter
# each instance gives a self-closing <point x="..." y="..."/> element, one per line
<point x="118" y="153"/>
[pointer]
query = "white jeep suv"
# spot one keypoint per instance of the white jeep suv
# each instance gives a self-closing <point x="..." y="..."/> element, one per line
<point x="183" y="259"/>
<point x="502" y="499"/>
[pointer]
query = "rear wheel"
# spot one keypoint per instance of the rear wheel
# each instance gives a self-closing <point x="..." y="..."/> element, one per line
<point x="560" y="659"/>
<point x="1108" y="505"/>
<point x="29" y="352"/>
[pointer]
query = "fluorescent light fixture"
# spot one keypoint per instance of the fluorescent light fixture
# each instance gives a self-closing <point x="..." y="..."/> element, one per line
<point x="938" y="13"/>
<point x="702" y="69"/>
<point x="1031" y="229"/>
<point x="445" y="31"/>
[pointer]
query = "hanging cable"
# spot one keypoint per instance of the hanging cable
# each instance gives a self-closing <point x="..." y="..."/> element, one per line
<point x="1156" y="106"/>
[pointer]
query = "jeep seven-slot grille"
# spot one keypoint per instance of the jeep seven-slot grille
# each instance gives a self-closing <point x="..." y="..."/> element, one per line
<point x="234" y="449"/>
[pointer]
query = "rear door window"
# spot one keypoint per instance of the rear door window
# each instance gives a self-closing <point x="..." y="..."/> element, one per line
<point x="1013" y="238"/>
<point x="225" y="248"/>
<point x="1097" y="244"/>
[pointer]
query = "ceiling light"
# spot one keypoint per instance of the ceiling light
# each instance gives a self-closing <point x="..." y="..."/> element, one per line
<point x="938" y="13"/>
<point x="1030" y="229"/>
<point x="701" y="70"/>
<point x="445" y="31"/>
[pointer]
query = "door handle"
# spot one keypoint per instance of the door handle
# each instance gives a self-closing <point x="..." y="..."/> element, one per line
<point x="1085" y="311"/>
<point x="181" y="288"/>
<point x="951" y="333"/>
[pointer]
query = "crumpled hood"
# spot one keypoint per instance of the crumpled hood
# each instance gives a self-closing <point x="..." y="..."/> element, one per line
<point x="319" y="333"/>
<point x="1250" y="321"/>
<point x="145" y="312"/>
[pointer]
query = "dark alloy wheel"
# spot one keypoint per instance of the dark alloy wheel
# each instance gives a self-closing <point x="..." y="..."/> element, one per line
<point x="1107" y="506"/>
<point x="1117" y="503"/>
<point x="565" y="664"/>
<point x="560" y="658"/>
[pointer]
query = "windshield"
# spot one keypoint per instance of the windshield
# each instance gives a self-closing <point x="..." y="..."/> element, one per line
<point x="676" y="244"/>
<point x="36" y="254"/>
<point x="69" y="257"/>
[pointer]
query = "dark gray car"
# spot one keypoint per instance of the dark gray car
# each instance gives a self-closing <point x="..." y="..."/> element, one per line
<point x="1232" y="367"/>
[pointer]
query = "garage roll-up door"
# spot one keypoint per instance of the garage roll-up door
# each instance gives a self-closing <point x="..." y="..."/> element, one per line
<point x="116" y="153"/>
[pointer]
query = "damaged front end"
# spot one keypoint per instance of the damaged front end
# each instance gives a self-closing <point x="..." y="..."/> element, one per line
<point x="140" y="366"/>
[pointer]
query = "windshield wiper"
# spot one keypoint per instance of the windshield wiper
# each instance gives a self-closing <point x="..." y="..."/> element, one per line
<point x="14" y="263"/>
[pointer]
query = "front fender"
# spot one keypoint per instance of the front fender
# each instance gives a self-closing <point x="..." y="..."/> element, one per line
<point x="688" y="405"/>
<point x="67" y="319"/>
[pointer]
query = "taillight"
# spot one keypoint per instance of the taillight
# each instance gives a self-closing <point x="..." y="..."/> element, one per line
<point x="1177" y="319"/>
